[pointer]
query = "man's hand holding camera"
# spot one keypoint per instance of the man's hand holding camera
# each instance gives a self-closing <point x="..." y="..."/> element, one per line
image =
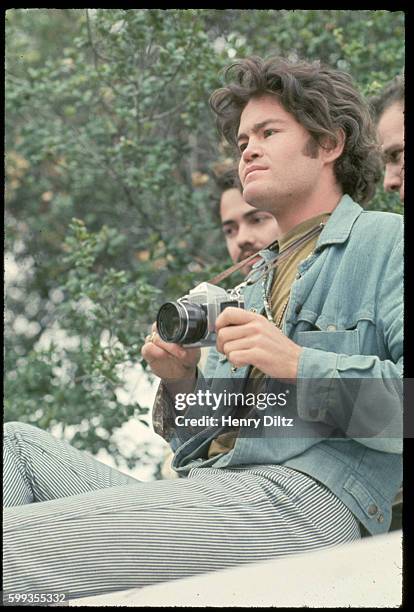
<point x="247" y="338"/>
<point x="168" y="360"/>
<point x="206" y="316"/>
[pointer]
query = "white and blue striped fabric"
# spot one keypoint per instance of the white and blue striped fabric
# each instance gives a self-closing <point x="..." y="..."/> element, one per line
<point x="94" y="530"/>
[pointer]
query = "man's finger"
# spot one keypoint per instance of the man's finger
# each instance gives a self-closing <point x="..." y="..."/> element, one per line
<point x="152" y="353"/>
<point x="230" y="332"/>
<point x="173" y="349"/>
<point x="234" y="316"/>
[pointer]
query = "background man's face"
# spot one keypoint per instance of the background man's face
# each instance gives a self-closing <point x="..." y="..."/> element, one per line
<point x="246" y="229"/>
<point x="391" y="136"/>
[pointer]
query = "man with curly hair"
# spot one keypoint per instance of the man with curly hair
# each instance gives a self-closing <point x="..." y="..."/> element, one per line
<point x="320" y="333"/>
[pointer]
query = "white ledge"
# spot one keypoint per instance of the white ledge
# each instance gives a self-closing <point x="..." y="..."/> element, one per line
<point x="367" y="573"/>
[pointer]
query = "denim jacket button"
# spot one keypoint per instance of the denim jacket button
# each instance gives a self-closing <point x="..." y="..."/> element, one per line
<point x="234" y="369"/>
<point x="253" y="309"/>
<point x="372" y="510"/>
<point x="331" y="328"/>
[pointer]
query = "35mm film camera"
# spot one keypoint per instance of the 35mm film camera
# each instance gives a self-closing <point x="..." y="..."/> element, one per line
<point x="190" y="321"/>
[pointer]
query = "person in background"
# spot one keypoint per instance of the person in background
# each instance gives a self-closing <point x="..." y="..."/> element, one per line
<point x="388" y="108"/>
<point x="246" y="229"/>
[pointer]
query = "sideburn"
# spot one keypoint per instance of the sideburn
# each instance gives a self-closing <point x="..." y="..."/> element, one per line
<point x="311" y="148"/>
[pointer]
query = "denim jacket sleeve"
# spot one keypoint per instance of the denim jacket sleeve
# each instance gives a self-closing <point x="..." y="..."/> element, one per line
<point x="376" y="396"/>
<point x="163" y="409"/>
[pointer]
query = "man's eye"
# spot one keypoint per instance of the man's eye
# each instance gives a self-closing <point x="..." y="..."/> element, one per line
<point x="269" y="132"/>
<point x="394" y="157"/>
<point x="229" y="231"/>
<point x="242" y="146"/>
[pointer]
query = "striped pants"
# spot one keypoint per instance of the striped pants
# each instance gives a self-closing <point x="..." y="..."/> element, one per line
<point x="94" y="530"/>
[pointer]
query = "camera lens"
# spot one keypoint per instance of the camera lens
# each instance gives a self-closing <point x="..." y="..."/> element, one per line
<point x="181" y="322"/>
<point x="171" y="322"/>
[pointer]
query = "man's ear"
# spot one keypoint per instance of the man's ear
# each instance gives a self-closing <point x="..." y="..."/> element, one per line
<point x="331" y="150"/>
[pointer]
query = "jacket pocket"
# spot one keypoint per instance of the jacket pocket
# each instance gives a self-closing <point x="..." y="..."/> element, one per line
<point x="342" y="342"/>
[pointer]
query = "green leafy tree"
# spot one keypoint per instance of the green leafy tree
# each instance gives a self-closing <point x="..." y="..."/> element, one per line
<point x="109" y="205"/>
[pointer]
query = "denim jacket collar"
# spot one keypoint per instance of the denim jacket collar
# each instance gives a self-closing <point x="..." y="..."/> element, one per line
<point x="340" y="223"/>
<point x="336" y="230"/>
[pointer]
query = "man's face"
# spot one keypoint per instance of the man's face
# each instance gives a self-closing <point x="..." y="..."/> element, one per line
<point x="278" y="169"/>
<point x="391" y="136"/>
<point x="245" y="228"/>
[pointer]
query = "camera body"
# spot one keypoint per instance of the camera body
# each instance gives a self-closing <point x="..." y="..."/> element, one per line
<point x="190" y="321"/>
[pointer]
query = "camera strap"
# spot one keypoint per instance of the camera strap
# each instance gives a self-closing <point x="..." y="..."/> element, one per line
<point x="267" y="267"/>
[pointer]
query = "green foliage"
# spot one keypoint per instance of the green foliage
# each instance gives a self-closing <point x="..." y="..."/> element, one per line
<point x="109" y="208"/>
<point x="101" y="314"/>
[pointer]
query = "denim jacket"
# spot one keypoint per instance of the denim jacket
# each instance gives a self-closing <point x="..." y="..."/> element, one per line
<point x="346" y="310"/>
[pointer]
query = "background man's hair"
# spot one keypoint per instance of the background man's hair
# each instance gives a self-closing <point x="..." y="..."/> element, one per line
<point x="393" y="92"/>
<point x="225" y="177"/>
<point x="323" y="100"/>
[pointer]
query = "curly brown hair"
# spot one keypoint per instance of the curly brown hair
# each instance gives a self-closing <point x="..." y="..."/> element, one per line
<point x="323" y="100"/>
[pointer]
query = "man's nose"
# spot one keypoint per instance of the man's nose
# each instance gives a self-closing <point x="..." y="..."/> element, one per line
<point x="392" y="179"/>
<point x="245" y="237"/>
<point x="252" y="150"/>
